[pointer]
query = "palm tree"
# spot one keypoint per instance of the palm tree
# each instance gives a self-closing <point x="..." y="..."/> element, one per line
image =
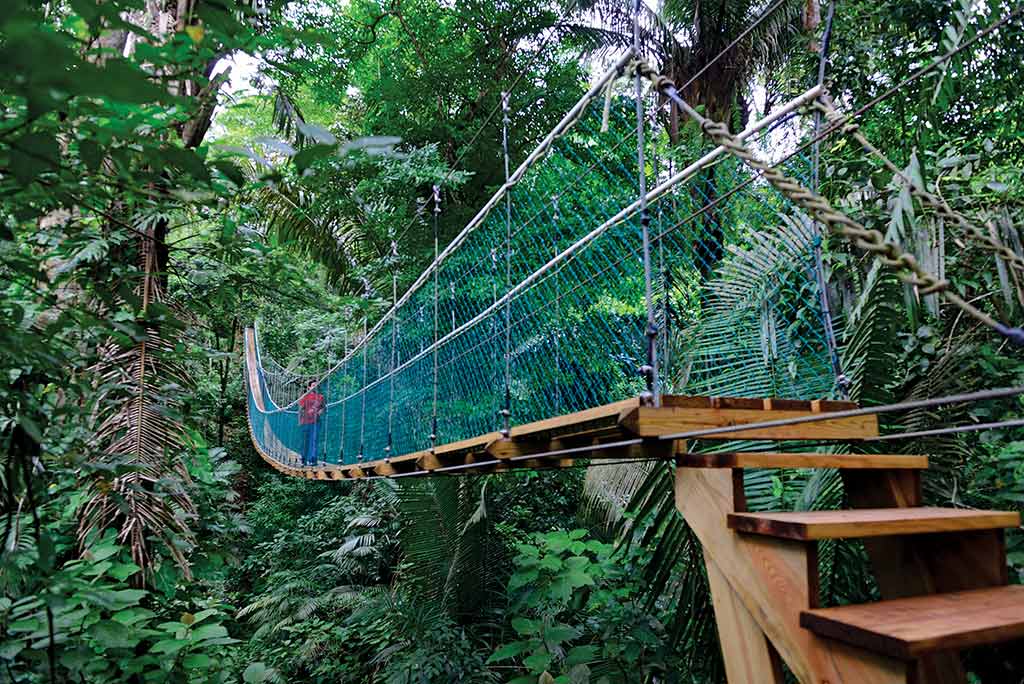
<point x="138" y="433"/>
<point x="713" y="51"/>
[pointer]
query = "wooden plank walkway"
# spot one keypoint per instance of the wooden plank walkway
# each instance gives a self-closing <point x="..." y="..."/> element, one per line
<point x="621" y="430"/>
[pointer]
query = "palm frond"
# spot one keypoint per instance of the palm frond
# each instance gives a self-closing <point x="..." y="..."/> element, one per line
<point x="294" y="216"/>
<point x="443" y="539"/>
<point x="139" y="388"/>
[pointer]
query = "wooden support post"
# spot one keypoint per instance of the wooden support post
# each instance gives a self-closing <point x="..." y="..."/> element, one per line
<point x="749" y="657"/>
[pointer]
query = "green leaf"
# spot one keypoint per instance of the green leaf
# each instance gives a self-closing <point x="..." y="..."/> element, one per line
<point x="169" y="646"/>
<point x="557" y="542"/>
<point x="522" y="578"/>
<point x="580" y="674"/>
<point x="316" y="133"/>
<point x="312" y="154"/>
<point x="91" y="153"/>
<point x="203" y="614"/>
<point x="507" y="651"/>
<point x="131" y="616"/>
<point x="538" y="662"/>
<point x="209" y="632"/>
<point x="556" y="634"/>
<point x="279" y="146"/>
<point x="123" y="571"/>
<point x="581" y="654"/>
<point x="196" y="661"/>
<point x="528" y="550"/>
<point x="113" y="634"/>
<point x="230" y="170"/>
<point x="525" y="626"/>
<point x="577" y="579"/>
<point x="255" y="673"/>
<point x="561" y="589"/>
<point x="550" y="562"/>
<point x="119" y="79"/>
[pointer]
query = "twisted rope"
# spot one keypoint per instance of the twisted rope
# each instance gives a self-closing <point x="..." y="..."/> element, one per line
<point x="908" y="269"/>
<point x="987" y="242"/>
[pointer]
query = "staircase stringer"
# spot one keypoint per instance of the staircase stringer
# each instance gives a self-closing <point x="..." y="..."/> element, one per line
<point x="773" y="579"/>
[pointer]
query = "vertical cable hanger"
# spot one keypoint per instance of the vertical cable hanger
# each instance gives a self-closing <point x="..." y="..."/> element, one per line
<point x="362" y="391"/>
<point x="650" y="368"/>
<point x="556" y="219"/>
<point x="391" y="362"/>
<point x="506" y="411"/>
<point x="437" y="215"/>
<point x="327" y="419"/>
<point x="662" y="264"/>
<point x="842" y="382"/>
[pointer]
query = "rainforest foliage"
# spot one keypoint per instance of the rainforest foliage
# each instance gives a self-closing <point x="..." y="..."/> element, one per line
<point x="171" y="171"/>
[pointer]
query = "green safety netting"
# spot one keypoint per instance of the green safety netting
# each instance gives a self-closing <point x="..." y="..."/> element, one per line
<point x="539" y="306"/>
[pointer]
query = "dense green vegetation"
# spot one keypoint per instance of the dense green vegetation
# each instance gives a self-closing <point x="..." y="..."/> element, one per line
<point x="149" y="212"/>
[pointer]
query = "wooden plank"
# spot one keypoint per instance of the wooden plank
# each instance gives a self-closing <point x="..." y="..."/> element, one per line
<point x="752" y="403"/>
<point x="767" y="404"/>
<point x="908" y="628"/>
<point x="748" y="655"/>
<point x="647" y="421"/>
<point x="683" y="401"/>
<point x="479" y="442"/>
<point x="775" y="404"/>
<point x="570" y="420"/>
<point x="803" y="460"/>
<point x="773" y="579"/>
<point x="513" y="448"/>
<point x="869" y="522"/>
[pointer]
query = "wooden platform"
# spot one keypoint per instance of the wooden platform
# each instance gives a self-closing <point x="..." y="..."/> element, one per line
<point x="869" y="522"/>
<point x="911" y="627"/>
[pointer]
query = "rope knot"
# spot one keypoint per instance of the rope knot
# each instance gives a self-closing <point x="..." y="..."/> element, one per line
<point x="658" y="81"/>
<point x="936" y="286"/>
<point x="837" y="120"/>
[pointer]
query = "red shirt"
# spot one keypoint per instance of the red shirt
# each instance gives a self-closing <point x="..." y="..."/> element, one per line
<point x="310" y="406"/>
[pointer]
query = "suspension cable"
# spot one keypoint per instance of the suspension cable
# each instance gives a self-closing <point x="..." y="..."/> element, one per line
<point x="437" y="214"/>
<point x="506" y="410"/>
<point x="650" y="369"/>
<point x="956" y="429"/>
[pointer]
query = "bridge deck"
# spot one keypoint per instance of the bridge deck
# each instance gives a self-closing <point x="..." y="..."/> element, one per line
<point x="623" y="429"/>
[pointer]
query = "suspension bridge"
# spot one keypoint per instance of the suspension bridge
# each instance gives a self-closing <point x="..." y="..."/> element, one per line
<point x="610" y="301"/>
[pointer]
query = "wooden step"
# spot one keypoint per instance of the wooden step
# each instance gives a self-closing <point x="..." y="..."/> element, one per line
<point x="909" y="628"/>
<point x="804" y="460"/>
<point x="869" y="522"/>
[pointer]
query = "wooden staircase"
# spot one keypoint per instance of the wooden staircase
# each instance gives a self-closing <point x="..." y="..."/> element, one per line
<point x="941" y="572"/>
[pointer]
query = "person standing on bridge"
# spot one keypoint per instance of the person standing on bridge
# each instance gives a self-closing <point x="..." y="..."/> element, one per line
<point x="311" y="406"/>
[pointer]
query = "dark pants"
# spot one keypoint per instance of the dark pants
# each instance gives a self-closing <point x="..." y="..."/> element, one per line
<point x="309" y="435"/>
